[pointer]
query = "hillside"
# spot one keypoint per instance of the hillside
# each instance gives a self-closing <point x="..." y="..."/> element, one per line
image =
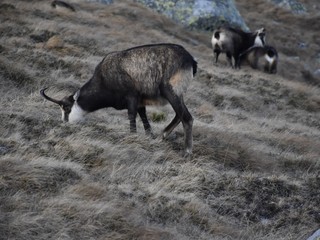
<point x="255" y="168"/>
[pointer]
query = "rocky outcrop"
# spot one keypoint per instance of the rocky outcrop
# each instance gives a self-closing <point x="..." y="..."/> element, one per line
<point x="199" y="14"/>
<point x="102" y="1"/>
<point x="208" y="14"/>
<point x="292" y="5"/>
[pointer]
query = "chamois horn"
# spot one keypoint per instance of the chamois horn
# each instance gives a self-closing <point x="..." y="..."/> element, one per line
<point x="49" y="98"/>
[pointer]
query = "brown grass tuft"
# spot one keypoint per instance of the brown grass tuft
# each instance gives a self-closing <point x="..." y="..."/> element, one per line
<point x="54" y="42"/>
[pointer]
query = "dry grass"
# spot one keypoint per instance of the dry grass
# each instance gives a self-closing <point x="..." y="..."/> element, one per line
<point x="255" y="169"/>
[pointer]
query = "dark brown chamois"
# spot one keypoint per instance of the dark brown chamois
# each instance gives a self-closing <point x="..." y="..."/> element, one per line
<point x="132" y="79"/>
<point x="58" y="3"/>
<point x="233" y="42"/>
<point x="263" y="58"/>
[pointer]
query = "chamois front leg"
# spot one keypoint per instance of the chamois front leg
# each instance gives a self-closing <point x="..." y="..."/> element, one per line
<point x="143" y="116"/>
<point x="171" y="126"/>
<point x="229" y="58"/>
<point x="236" y="61"/>
<point x="216" y="53"/>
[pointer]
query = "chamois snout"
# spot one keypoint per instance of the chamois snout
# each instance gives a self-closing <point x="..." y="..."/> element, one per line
<point x="65" y="104"/>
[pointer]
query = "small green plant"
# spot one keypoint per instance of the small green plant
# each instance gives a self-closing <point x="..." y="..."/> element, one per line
<point x="158" y="117"/>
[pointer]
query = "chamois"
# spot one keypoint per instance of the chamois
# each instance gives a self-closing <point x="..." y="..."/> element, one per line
<point x="58" y="3"/>
<point x="132" y="79"/>
<point x="263" y="58"/>
<point x="233" y="42"/>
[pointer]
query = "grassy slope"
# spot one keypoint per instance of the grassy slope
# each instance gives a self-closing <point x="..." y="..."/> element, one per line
<point x="255" y="169"/>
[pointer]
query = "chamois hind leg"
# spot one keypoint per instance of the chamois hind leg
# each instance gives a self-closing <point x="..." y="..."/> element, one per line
<point x="216" y="53"/>
<point x="254" y="65"/>
<point x="171" y="126"/>
<point x="229" y="58"/>
<point x="143" y="116"/>
<point x="183" y="115"/>
<point x="238" y="62"/>
<point x="237" y="57"/>
<point x="132" y="113"/>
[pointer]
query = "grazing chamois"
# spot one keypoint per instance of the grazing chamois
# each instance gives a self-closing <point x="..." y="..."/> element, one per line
<point x="132" y="79"/>
<point x="233" y="42"/>
<point x="58" y="4"/>
<point x="263" y="58"/>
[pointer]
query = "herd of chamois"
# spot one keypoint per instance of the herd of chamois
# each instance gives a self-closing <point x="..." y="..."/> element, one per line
<point x="157" y="74"/>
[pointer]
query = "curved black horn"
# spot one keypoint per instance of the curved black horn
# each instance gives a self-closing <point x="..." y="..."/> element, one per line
<point x="47" y="97"/>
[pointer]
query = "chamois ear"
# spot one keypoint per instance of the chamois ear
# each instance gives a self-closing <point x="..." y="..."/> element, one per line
<point x="76" y="96"/>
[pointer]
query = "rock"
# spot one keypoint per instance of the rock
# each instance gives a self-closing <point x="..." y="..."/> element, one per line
<point x="3" y="150"/>
<point x="199" y="14"/>
<point x="102" y="1"/>
<point x="317" y="73"/>
<point x="315" y="236"/>
<point x="42" y="36"/>
<point x="292" y="5"/>
<point x="302" y="45"/>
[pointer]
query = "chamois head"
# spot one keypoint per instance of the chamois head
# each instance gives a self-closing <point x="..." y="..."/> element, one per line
<point x="65" y="104"/>
<point x="260" y="39"/>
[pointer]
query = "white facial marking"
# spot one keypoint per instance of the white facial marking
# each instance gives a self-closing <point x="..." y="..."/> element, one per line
<point x="76" y="114"/>
<point x="258" y="42"/>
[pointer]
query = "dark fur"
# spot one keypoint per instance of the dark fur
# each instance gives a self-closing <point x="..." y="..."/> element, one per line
<point x="236" y="42"/>
<point x="56" y="3"/>
<point x="255" y="57"/>
<point x="136" y="77"/>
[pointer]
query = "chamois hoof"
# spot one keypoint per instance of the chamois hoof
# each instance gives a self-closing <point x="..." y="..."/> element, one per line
<point x="151" y="135"/>
<point x="187" y="155"/>
<point x="171" y="136"/>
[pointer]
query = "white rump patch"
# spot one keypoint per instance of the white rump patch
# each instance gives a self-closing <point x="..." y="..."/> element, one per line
<point x="269" y="59"/>
<point x="223" y="36"/>
<point x="214" y="41"/>
<point x="219" y="42"/>
<point x="77" y="113"/>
